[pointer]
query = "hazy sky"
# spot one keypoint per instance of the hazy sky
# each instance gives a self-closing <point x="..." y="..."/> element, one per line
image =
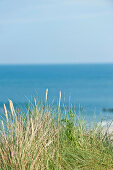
<point x="56" y="31"/>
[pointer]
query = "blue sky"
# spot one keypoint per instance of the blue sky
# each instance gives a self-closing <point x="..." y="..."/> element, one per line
<point x="56" y="31"/>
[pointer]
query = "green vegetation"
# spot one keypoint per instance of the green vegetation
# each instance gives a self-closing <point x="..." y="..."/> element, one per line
<point x="41" y="139"/>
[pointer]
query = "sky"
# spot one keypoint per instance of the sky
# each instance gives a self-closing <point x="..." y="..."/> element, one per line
<point x="56" y="31"/>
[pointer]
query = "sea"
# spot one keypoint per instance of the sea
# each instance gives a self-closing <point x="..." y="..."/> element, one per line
<point x="86" y="87"/>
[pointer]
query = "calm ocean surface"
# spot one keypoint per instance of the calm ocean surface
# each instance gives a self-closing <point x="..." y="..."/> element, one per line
<point x="88" y="86"/>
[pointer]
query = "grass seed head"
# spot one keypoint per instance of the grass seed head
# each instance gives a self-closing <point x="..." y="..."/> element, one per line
<point x="46" y="94"/>
<point x="59" y="98"/>
<point x="5" y="111"/>
<point x="11" y="107"/>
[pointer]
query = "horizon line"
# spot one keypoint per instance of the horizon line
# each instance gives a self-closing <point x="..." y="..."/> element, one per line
<point x="88" y="63"/>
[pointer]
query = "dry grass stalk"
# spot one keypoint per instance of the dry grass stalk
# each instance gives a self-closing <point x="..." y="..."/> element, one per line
<point x="32" y="127"/>
<point x="3" y="126"/>
<point x="36" y="106"/>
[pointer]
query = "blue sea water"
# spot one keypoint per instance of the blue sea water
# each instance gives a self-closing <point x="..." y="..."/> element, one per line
<point x="87" y="86"/>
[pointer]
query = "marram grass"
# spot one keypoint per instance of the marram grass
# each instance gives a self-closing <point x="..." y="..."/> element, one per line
<point x="40" y="140"/>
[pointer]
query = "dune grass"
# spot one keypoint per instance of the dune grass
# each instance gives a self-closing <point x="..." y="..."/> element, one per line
<point x="41" y="139"/>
